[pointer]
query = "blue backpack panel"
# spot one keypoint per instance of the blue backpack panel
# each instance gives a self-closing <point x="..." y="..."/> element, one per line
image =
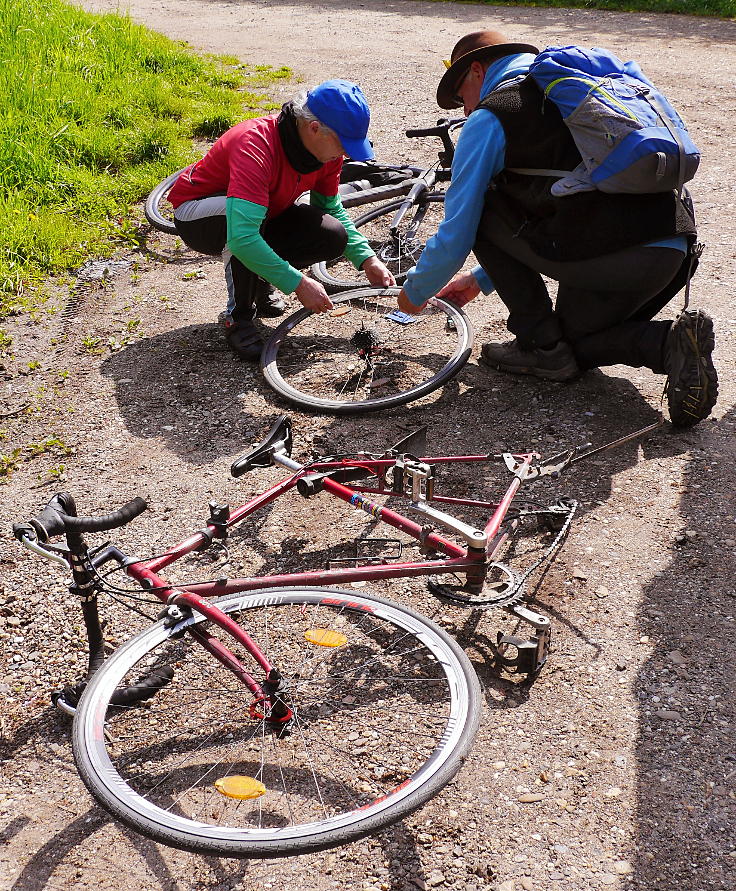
<point x="629" y="136"/>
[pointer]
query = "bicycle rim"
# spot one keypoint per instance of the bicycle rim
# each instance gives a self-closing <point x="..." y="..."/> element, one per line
<point x="157" y="216"/>
<point x="399" y="251"/>
<point x="384" y="718"/>
<point x="315" y="361"/>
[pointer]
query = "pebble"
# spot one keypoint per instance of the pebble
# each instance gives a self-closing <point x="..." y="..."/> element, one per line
<point x="530" y="797"/>
<point x="667" y="714"/>
<point x="508" y="885"/>
<point x="622" y="867"/>
<point x="436" y="877"/>
<point x="527" y="884"/>
<point x="676" y="657"/>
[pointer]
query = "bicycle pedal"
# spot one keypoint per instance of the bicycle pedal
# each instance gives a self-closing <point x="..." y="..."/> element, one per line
<point x="524" y="656"/>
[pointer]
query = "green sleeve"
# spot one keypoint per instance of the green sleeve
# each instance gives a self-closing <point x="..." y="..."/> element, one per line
<point x="357" y="250"/>
<point x="244" y="219"/>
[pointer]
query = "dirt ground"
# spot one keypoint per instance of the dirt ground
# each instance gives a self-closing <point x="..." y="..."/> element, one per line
<point x="626" y="738"/>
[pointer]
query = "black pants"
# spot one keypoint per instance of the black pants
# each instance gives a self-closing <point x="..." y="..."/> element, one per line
<point x="605" y="305"/>
<point x="301" y="235"/>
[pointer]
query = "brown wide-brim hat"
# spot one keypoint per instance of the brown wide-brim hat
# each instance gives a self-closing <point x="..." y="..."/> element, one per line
<point x="481" y="45"/>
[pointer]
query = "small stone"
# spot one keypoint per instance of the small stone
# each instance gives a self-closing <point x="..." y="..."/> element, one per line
<point x="530" y="797"/>
<point x="435" y="878"/>
<point x="602" y="591"/>
<point x="622" y="867"/>
<point x="613" y="792"/>
<point x="676" y="657"/>
<point x="527" y="884"/>
<point x="607" y="879"/>
<point x="667" y="714"/>
<point x="506" y="886"/>
<point x="579" y="574"/>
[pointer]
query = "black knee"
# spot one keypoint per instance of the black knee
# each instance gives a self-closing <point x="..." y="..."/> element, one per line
<point x="335" y="237"/>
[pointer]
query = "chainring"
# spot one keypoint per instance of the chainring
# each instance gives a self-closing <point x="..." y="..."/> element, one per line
<point x="503" y="587"/>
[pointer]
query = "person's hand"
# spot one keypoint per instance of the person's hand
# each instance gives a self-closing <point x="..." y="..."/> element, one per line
<point x="405" y="305"/>
<point x="313" y="296"/>
<point x="377" y="274"/>
<point x="460" y="290"/>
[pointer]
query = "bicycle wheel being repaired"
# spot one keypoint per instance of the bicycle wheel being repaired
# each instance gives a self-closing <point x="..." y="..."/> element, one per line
<point x="397" y="243"/>
<point x="365" y="355"/>
<point x="384" y="707"/>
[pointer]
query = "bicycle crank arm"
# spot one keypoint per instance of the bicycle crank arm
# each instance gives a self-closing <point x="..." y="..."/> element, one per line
<point x="474" y="537"/>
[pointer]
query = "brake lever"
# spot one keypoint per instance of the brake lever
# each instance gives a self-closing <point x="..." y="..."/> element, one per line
<point x="49" y="552"/>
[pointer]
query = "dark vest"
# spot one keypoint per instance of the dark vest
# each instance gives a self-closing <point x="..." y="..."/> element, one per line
<point x="575" y="227"/>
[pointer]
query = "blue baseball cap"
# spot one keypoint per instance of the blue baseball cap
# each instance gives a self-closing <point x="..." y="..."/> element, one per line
<point x="341" y="106"/>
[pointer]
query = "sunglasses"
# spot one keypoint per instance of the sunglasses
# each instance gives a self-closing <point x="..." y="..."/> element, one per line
<point x="456" y="98"/>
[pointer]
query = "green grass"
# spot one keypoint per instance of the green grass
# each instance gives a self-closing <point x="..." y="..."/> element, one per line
<point x="718" y="8"/>
<point x="95" y="110"/>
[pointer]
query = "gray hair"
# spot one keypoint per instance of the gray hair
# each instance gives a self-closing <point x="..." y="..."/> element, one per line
<point x="301" y="110"/>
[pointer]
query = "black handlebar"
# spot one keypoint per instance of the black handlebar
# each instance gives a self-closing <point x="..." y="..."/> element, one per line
<point x="442" y="130"/>
<point x="60" y="516"/>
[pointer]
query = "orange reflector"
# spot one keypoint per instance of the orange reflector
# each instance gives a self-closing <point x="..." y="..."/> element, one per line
<point x="240" y="787"/>
<point x="325" y="637"/>
<point x="341" y="310"/>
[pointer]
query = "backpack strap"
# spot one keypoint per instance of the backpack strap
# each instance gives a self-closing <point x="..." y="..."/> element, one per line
<point x="695" y="252"/>
<point x="665" y="118"/>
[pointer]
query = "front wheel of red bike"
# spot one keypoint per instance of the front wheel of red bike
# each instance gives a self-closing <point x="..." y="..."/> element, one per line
<point x="385" y="707"/>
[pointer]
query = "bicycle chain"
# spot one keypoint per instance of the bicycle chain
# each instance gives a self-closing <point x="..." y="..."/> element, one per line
<point x="460" y="597"/>
<point x="457" y="594"/>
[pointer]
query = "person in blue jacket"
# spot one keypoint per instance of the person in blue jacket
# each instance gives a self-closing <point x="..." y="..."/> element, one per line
<point x="618" y="259"/>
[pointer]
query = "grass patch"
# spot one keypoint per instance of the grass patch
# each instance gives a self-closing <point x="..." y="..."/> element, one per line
<point x="717" y="8"/>
<point x="95" y="111"/>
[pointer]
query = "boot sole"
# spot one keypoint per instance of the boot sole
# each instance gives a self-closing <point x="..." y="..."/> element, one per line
<point x="691" y="398"/>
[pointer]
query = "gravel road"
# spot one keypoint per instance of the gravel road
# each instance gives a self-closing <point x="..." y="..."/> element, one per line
<point x="616" y="768"/>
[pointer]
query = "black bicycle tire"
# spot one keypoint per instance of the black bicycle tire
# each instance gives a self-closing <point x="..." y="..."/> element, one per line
<point x="152" y="208"/>
<point x="334" y="285"/>
<point x="171" y="828"/>
<point x="274" y="379"/>
<point x="389" y="192"/>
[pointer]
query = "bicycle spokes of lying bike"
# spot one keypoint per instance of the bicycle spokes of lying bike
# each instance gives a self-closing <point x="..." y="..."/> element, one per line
<point x="287" y="715"/>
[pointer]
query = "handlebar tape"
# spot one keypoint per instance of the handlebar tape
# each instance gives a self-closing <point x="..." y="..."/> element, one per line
<point x="59" y="516"/>
<point x="429" y="131"/>
<point x="145" y="689"/>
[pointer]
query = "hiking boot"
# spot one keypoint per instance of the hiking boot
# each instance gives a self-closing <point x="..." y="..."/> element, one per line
<point x="692" y="381"/>
<point x="244" y="340"/>
<point x="270" y="305"/>
<point x="557" y="364"/>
